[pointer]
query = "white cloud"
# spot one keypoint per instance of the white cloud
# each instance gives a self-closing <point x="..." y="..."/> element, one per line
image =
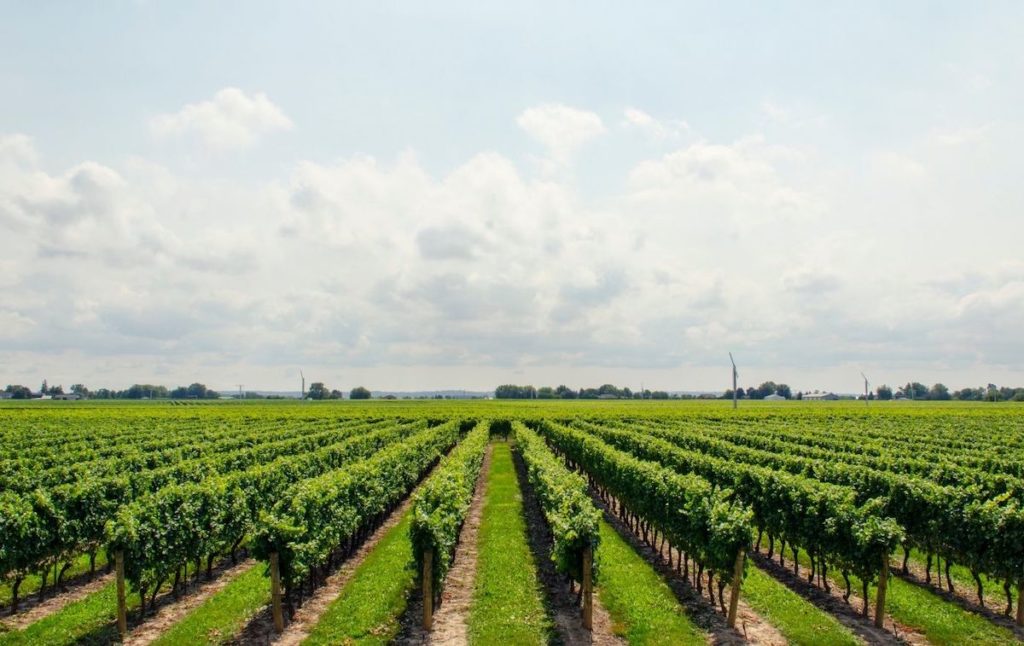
<point x="658" y="129"/>
<point x="139" y="273"/>
<point x="560" y="128"/>
<point x="231" y="119"/>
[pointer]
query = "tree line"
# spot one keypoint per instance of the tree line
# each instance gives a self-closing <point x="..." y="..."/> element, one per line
<point x="606" y="391"/>
<point x="319" y="391"/>
<point x="940" y="392"/>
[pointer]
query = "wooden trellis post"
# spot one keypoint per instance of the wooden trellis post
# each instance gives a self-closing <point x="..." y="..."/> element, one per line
<point x="275" y="593"/>
<point x="883" y="582"/>
<point x="428" y="589"/>
<point x="734" y="594"/>
<point x="122" y="608"/>
<point x="588" y="588"/>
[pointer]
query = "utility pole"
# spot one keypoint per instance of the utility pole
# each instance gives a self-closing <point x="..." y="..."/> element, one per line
<point x="240" y="387"/>
<point x="303" y="391"/>
<point x="865" y="390"/>
<point x="735" y="376"/>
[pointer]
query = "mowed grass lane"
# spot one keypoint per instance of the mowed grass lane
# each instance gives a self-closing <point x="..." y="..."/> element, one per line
<point x="940" y="621"/>
<point x="643" y="609"/>
<point x="508" y="605"/>
<point x="370" y="606"/>
<point x="223" y="615"/>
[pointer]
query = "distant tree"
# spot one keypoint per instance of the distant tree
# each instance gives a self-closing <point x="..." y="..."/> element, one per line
<point x="19" y="392"/>
<point x="44" y="389"/>
<point x="511" y="391"/>
<point x="337" y="394"/>
<point x="318" y="391"/>
<point x="608" y="389"/>
<point x="783" y="390"/>
<point x="57" y="390"/>
<point x="969" y="394"/>
<point x="546" y="392"/>
<point x="915" y="390"/>
<point x="143" y="391"/>
<point x="359" y="392"/>
<point x="81" y="391"/>
<point x="564" y="392"/>
<point x="627" y="393"/>
<point x="659" y="394"/>
<point x="884" y="392"/>
<point x="939" y="392"/>
<point x="800" y="395"/>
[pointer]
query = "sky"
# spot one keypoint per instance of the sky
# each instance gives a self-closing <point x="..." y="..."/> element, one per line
<point x="459" y="195"/>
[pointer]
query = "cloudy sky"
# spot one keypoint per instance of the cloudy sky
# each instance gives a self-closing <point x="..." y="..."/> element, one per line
<point x="435" y="195"/>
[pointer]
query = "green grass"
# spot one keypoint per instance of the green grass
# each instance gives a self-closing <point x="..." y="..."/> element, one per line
<point x="31" y="583"/>
<point x="643" y="609"/>
<point x="940" y="621"/>
<point x="995" y="597"/>
<point x="507" y="605"/>
<point x="373" y="600"/>
<point x="91" y="620"/>
<point x="224" y="614"/>
<point x="799" y="621"/>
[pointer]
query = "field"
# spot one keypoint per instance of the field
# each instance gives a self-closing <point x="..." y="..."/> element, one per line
<point x="491" y="521"/>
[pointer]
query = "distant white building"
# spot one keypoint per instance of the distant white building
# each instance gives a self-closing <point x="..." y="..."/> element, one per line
<point x="774" y="398"/>
<point x="821" y="396"/>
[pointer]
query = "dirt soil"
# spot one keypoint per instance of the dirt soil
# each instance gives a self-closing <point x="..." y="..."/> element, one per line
<point x="174" y="610"/>
<point x="450" y="628"/>
<point x="751" y="628"/>
<point x="31" y="610"/>
<point x="832" y="602"/>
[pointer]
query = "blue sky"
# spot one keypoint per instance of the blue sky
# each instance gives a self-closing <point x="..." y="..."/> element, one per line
<point x="457" y="195"/>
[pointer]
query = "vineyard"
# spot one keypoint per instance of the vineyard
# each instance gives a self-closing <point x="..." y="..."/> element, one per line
<point x="522" y="522"/>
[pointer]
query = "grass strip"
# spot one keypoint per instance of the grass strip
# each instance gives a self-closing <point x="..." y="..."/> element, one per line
<point x="79" y="566"/>
<point x="507" y="603"/>
<point x="91" y="620"/>
<point x="642" y="607"/>
<point x="995" y="596"/>
<point x="801" y="622"/>
<point x="370" y="605"/>
<point x="940" y="621"/>
<point x="224" y="614"/>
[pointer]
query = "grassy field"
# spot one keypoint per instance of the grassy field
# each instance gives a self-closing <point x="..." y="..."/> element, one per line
<point x="940" y="621"/>
<point x="224" y="614"/>
<point x="800" y="622"/>
<point x="79" y="567"/>
<point x="87" y="621"/>
<point x="507" y="600"/>
<point x="373" y="600"/>
<point x="642" y="607"/>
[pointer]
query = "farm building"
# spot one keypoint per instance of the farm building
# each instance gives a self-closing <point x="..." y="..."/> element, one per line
<point x="774" y="398"/>
<point x="821" y="396"/>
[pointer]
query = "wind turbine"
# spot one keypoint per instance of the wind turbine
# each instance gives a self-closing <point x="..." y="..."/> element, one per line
<point x="303" y="385"/>
<point x="865" y="389"/>
<point x="735" y="375"/>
